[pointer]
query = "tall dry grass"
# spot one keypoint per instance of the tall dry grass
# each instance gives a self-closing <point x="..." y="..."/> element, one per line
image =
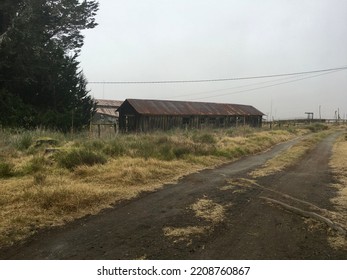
<point x="81" y="176"/>
<point x="338" y="164"/>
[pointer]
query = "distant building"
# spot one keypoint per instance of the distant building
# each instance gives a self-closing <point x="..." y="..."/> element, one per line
<point x="105" y="119"/>
<point x="106" y="111"/>
<point x="147" y="115"/>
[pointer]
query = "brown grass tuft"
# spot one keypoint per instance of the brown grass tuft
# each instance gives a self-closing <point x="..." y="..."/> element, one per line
<point x="209" y="210"/>
<point x="183" y="234"/>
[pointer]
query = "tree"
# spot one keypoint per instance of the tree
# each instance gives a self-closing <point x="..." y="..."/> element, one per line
<point x="8" y="9"/>
<point x="39" y="49"/>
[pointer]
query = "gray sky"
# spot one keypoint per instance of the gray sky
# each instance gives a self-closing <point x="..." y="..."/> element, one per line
<point x="151" y="40"/>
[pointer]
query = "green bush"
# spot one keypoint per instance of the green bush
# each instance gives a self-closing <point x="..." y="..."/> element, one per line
<point x="24" y="141"/>
<point x="94" y="144"/>
<point x="204" y="149"/>
<point x="205" y="138"/>
<point x="166" y="152"/>
<point x="36" y="164"/>
<point x="143" y="148"/>
<point x="76" y="157"/>
<point x="231" y="153"/>
<point x="6" y="170"/>
<point x="115" y="148"/>
<point x="317" y="127"/>
<point x="224" y="153"/>
<point x="230" y="132"/>
<point x="180" y="152"/>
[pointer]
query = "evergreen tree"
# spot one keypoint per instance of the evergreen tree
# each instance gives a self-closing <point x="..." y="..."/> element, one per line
<point x="40" y="80"/>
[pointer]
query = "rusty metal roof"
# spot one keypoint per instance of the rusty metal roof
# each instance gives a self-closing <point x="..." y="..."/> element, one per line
<point x="168" y="107"/>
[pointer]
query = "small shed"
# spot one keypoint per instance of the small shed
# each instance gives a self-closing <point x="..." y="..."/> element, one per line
<point x="106" y="111"/>
<point x="140" y="115"/>
<point x="105" y="120"/>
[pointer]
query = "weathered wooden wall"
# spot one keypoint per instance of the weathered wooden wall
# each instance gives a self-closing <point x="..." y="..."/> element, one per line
<point x="143" y="123"/>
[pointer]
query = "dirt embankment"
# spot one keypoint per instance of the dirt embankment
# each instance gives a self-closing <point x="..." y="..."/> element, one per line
<point x="220" y="213"/>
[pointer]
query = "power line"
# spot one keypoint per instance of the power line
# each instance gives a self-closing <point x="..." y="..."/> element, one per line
<point x="230" y="88"/>
<point x="219" y="80"/>
<point x="253" y="89"/>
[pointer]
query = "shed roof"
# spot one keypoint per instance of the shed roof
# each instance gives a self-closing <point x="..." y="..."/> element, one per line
<point x="107" y="107"/>
<point x="108" y="103"/>
<point x="168" y="107"/>
<point x="107" y="111"/>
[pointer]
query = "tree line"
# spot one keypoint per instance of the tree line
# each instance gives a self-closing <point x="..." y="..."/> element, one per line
<point x="41" y="83"/>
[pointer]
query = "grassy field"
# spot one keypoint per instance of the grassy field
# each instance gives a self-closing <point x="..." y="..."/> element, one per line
<point x="48" y="179"/>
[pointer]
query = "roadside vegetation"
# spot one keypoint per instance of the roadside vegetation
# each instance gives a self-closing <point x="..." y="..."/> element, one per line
<point x="48" y="178"/>
<point x="294" y="154"/>
<point x="338" y="164"/>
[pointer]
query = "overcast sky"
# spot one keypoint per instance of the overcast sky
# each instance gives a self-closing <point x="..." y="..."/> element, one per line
<point x="154" y="40"/>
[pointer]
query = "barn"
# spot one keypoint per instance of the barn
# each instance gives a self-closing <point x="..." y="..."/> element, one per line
<point x="140" y="115"/>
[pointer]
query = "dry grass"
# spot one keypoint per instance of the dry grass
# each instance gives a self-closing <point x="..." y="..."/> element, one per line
<point x="41" y="193"/>
<point x="209" y="210"/>
<point x="251" y="144"/>
<point x="338" y="163"/>
<point x="63" y="196"/>
<point x="289" y="157"/>
<point x="184" y="234"/>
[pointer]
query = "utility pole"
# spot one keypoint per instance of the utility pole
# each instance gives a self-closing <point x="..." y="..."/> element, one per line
<point x="320" y="113"/>
<point x="338" y="113"/>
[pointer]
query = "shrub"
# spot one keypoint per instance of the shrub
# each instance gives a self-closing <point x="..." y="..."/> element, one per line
<point x="162" y="140"/>
<point x="144" y="148"/>
<point x="223" y="153"/>
<point x="204" y="149"/>
<point x="24" y="141"/>
<point x="114" y="148"/>
<point x="36" y="164"/>
<point x="317" y="127"/>
<point x="230" y="132"/>
<point x="166" y="152"/>
<point x="95" y="144"/>
<point x="205" y="138"/>
<point x="39" y="178"/>
<point x="6" y="170"/>
<point x="76" y="157"/>
<point x="181" y="151"/>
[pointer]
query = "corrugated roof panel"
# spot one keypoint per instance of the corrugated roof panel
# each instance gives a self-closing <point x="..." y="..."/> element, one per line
<point x="107" y="111"/>
<point x="108" y="103"/>
<point x="167" y="107"/>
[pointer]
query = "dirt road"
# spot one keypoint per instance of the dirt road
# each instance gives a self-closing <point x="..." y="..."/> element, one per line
<point x="213" y="214"/>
